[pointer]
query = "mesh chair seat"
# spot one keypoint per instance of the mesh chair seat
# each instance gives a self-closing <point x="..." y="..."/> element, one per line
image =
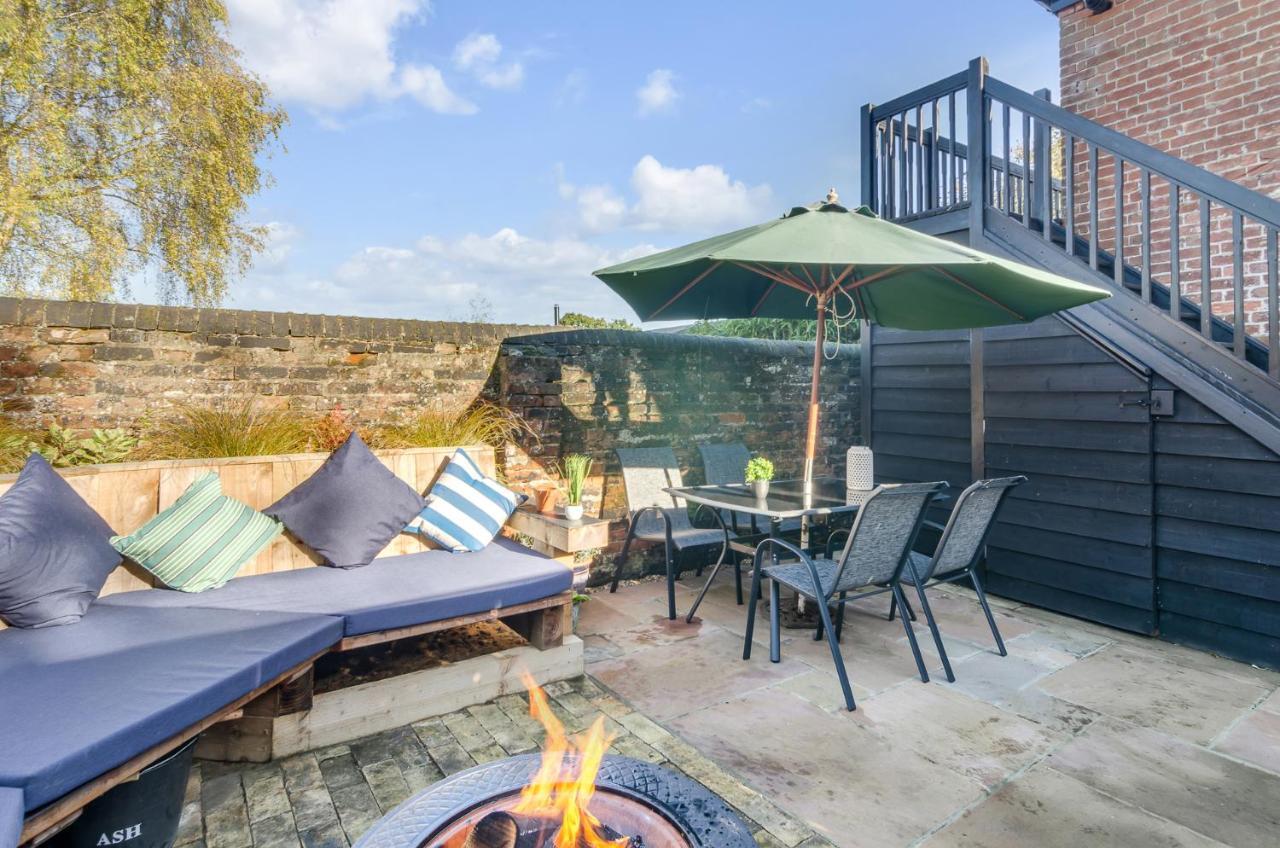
<point x="797" y="576"/>
<point x="682" y="537"/>
<point x="921" y="564"/>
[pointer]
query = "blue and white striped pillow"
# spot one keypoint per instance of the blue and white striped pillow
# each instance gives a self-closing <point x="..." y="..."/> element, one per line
<point x="465" y="509"/>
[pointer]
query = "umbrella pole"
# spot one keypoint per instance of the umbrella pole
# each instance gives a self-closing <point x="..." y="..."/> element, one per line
<point x="811" y="439"/>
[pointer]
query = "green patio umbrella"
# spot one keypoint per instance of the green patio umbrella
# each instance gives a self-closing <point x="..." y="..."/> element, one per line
<point x="824" y="261"/>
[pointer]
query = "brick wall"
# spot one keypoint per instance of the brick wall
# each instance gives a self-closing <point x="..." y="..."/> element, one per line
<point x="106" y="365"/>
<point x="1199" y="79"/>
<point x="592" y="391"/>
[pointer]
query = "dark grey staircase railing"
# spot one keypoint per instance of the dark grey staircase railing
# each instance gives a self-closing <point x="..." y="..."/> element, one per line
<point x="1020" y="149"/>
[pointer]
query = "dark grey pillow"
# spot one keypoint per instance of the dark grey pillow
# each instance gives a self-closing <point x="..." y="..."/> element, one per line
<point x="350" y="508"/>
<point x="54" y="553"/>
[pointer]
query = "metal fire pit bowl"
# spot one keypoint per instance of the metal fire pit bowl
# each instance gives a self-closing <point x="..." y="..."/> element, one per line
<point x="689" y="811"/>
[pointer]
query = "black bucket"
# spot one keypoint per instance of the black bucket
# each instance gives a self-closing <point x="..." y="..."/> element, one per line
<point x="141" y="813"/>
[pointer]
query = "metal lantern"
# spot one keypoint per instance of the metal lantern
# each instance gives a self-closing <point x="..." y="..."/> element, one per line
<point x="859" y="474"/>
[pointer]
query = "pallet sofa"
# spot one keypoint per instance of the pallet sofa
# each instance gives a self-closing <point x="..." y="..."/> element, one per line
<point x="86" y="706"/>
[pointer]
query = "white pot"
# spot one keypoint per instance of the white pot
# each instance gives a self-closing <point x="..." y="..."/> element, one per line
<point x="760" y="488"/>
<point x="573" y="511"/>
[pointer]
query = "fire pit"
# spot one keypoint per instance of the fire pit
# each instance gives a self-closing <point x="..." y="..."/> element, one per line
<point x="646" y="805"/>
<point x="570" y="796"/>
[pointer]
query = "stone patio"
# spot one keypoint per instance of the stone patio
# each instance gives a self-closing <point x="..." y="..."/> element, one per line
<point x="1082" y="736"/>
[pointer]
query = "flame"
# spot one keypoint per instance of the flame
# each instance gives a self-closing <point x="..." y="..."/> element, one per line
<point x="566" y="779"/>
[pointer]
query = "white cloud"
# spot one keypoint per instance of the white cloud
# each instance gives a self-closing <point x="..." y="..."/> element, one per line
<point x="478" y="54"/>
<point x="658" y="94"/>
<point x="690" y="200"/>
<point x="439" y="278"/>
<point x="573" y="88"/>
<point x="333" y="55"/>
<point x="278" y="243"/>
<point x="425" y="84"/>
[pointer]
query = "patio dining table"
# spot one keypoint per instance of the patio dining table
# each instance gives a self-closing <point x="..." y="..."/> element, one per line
<point x="785" y="500"/>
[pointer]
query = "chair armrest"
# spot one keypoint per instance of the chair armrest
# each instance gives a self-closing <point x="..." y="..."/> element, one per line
<point x="799" y="554"/>
<point x="831" y="540"/>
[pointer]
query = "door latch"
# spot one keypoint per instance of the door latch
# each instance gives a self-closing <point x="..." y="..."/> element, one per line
<point x="1159" y="402"/>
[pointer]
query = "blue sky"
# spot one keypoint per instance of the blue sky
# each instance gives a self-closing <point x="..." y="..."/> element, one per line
<point x="439" y="152"/>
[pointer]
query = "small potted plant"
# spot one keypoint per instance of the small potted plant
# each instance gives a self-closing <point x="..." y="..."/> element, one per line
<point x="759" y="472"/>
<point x="574" y="469"/>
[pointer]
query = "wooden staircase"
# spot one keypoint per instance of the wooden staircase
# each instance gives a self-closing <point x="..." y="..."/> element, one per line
<point x="970" y="157"/>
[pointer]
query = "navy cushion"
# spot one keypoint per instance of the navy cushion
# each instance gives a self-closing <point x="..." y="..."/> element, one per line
<point x="54" y="553"/>
<point x="10" y="816"/>
<point x="81" y="699"/>
<point x="350" y="508"/>
<point x="392" y="592"/>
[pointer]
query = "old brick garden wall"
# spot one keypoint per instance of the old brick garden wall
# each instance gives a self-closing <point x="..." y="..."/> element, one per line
<point x="591" y="391"/>
<point x="106" y="365"/>
<point x="85" y="365"/>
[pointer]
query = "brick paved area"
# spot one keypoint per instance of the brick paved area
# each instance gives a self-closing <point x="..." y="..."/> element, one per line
<point x="328" y="798"/>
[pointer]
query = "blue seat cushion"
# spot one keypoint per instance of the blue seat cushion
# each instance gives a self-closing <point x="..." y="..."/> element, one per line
<point x="390" y="592"/>
<point x="10" y="816"/>
<point x="83" y="698"/>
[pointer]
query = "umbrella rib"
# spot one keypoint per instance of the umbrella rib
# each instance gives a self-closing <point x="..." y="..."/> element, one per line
<point x="763" y="298"/>
<point x="809" y="277"/>
<point x="840" y="279"/>
<point x="773" y="275"/>
<point x="944" y="272"/>
<point x="683" y="291"/>
<point x="879" y="275"/>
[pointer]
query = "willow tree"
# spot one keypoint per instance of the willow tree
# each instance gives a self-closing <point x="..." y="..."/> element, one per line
<point x="129" y="141"/>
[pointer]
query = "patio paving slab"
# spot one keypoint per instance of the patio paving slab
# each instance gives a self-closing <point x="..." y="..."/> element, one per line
<point x="1050" y="810"/>
<point x="673" y="679"/>
<point x="838" y="775"/>
<point x="1149" y="689"/>
<point x="1255" y="739"/>
<point x="1236" y="804"/>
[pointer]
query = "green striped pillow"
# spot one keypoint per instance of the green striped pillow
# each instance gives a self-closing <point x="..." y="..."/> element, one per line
<point x="202" y="540"/>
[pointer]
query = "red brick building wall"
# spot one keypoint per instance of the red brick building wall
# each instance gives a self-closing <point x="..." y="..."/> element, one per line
<point x="1199" y="79"/>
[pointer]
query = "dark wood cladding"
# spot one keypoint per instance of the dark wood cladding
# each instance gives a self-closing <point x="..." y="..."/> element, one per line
<point x="920" y="406"/>
<point x="1078" y="537"/>
<point x="1217" y="504"/>
<point x="1167" y="525"/>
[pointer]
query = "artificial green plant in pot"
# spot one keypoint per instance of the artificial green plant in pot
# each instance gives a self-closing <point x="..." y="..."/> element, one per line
<point x="759" y="472"/>
<point x="574" y="469"/>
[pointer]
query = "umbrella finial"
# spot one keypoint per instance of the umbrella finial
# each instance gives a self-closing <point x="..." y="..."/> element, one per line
<point x="832" y="197"/>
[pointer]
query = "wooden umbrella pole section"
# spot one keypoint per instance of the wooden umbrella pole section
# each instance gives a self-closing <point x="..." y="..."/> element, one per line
<point x="811" y="439"/>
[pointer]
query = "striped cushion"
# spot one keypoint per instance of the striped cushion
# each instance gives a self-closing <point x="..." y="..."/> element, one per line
<point x="465" y="509"/>
<point x="202" y="540"/>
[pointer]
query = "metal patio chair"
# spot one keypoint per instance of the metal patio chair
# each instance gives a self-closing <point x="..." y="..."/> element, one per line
<point x="871" y="563"/>
<point x="961" y="547"/>
<point x="656" y="516"/>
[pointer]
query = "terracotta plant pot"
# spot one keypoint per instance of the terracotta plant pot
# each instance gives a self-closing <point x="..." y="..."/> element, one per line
<point x="547" y="497"/>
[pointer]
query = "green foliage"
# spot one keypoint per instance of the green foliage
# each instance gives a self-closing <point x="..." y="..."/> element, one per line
<point x="759" y="469"/>
<point x="479" y="424"/>
<point x="777" y="329"/>
<point x="244" y="427"/>
<point x="591" y="322"/>
<point x="574" y="469"/>
<point x="61" y="447"/>
<point x="130" y="139"/>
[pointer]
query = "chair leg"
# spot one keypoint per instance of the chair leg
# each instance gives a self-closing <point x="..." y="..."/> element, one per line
<point x="906" y="605"/>
<point x="775" y="624"/>
<point x="737" y="577"/>
<point x="622" y="557"/>
<point x="751" y="614"/>
<point x="715" y="569"/>
<point x="937" y="637"/>
<point x="840" y="616"/>
<point x="671" y="581"/>
<point x="893" y="606"/>
<point x="991" y="620"/>
<point x="911" y="634"/>
<point x="825" y="615"/>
